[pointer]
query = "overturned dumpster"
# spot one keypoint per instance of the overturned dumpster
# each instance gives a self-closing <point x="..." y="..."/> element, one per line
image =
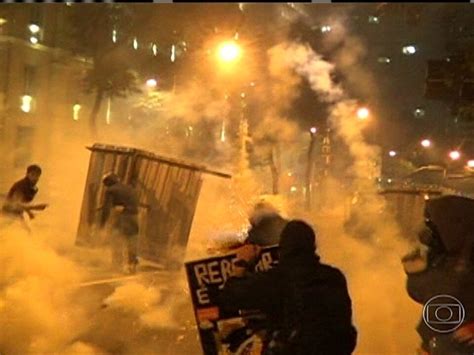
<point x="168" y="190"/>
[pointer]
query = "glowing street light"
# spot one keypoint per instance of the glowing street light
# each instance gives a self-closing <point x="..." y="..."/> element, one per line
<point x="151" y="83"/>
<point x="409" y="50"/>
<point x="229" y="51"/>
<point x="34" y="40"/>
<point x="313" y="130"/>
<point x="426" y="143"/>
<point x="326" y="29"/>
<point x="363" y="113"/>
<point x="392" y="153"/>
<point x="454" y="155"/>
<point x="34" y="28"/>
<point x="470" y="164"/>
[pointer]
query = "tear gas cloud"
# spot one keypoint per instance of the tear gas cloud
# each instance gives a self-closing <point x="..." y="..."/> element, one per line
<point x="44" y="309"/>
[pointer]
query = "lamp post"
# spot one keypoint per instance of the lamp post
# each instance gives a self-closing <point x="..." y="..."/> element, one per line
<point x="309" y="167"/>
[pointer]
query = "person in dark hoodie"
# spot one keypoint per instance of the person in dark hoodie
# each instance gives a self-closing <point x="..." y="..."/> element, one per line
<point x="307" y="302"/>
<point x="445" y="268"/>
<point x="123" y="199"/>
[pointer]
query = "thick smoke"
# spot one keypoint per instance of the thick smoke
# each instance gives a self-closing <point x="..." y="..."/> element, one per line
<point x="382" y="308"/>
<point x="43" y="308"/>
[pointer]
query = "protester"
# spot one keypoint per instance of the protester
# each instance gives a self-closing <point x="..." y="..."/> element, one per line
<point x="307" y="301"/>
<point x="266" y="225"/>
<point x="444" y="266"/>
<point x="121" y="201"/>
<point x="22" y="193"/>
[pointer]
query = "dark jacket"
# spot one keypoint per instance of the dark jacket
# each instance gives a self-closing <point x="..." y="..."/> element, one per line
<point x="22" y="191"/>
<point x="125" y="196"/>
<point x="450" y="264"/>
<point x="300" y="295"/>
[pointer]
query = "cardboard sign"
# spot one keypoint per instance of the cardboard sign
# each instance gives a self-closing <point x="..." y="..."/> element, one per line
<point x="213" y="273"/>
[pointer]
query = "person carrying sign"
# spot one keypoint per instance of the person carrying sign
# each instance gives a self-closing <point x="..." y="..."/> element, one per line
<point x="308" y="301"/>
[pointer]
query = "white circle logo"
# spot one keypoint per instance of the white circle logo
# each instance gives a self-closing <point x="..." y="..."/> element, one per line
<point x="443" y="313"/>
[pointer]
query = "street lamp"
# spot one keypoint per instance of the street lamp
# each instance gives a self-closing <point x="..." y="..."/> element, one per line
<point x="151" y="83"/>
<point x="363" y="113"/>
<point x="392" y="153"/>
<point x="229" y="51"/>
<point x="426" y="143"/>
<point x="313" y="130"/>
<point x="454" y="155"/>
<point x="470" y="164"/>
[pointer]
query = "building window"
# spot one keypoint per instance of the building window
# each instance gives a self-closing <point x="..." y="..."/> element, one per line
<point x="374" y="20"/>
<point x="34" y="28"/>
<point x="419" y="112"/>
<point x="30" y="80"/>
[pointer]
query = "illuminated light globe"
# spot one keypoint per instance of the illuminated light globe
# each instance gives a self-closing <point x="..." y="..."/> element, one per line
<point x="409" y="50"/>
<point x="151" y="83"/>
<point x="313" y="130"/>
<point x="454" y="155"/>
<point x="392" y="153"/>
<point x="470" y="164"/>
<point x="34" y="40"/>
<point x="363" y="113"/>
<point x="426" y="143"/>
<point x="229" y="51"/>
<point x="34" y="28"/>
<point x="326" y="29"/>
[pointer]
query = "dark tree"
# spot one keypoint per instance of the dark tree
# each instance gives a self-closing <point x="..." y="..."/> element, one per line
<point x="91" y="31"/>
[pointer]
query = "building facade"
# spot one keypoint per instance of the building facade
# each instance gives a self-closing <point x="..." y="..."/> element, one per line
<point x="40" y="91"/>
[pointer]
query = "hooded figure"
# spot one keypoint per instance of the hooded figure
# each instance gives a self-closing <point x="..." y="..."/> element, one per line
<point x="123" y="200"/>
<point x="446" y="269"/>
<point x="307" y="302"/>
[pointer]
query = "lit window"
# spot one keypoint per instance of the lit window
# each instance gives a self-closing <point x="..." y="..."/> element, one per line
<point x="3" y="21"/>
<point x="325" y="29"/>
<point x="173" y="53"/>
<point x="34" y="28"/>
<point x="34" y="40"/>
<point x="293" y="189"/>
<point x="114" y="36"/>
<point x="384" y="60"/>
<point x="419" y="112"/>
<point x="409" y="50"/>
<point x="75" y="112"/>
<point x="374" y="20"/>
<point x="26" y="101"/>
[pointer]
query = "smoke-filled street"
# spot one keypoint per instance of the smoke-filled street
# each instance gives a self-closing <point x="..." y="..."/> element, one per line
<point x="236" y="178"/>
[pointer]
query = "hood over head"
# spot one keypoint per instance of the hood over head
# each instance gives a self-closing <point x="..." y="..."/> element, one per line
<point x="297" y="244"/>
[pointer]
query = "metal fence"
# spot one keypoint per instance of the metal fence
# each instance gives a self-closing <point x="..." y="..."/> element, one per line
<point x="168" y="190"/>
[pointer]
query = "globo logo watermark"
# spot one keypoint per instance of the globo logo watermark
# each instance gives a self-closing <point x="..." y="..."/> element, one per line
<point x="443" y="313"/>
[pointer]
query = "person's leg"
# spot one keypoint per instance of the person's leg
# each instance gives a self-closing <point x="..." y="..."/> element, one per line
<point x="117" y="244"/>
<point x="132" y="247"/>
